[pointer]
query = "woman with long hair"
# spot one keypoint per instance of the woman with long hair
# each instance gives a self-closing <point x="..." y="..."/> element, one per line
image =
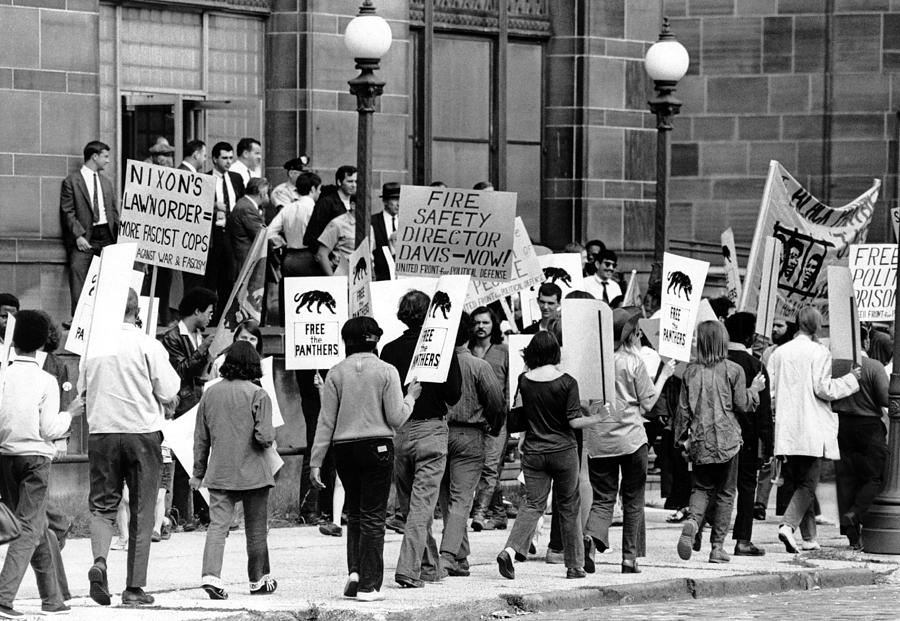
<point x="706" y="424"/>
<point x="552" y="412"/>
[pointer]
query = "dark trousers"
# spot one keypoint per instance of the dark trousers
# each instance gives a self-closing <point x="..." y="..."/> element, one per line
<point x="23" y="484"/>
<point x="714" y="484"/>
<point x="560" y="469"/>
<point x="675" y="478"/>
<point x="604" y="474"/>
<point x="219" y="270"/>
<point x="748" y="461"/>
<point x="256" y="526"/>
<point x="465" y="460"/>
<point x="488" y="494"/>
<point x="803" y="471"/>
<point x="365" y="468"/>
<point x="311" y="499"/>
<point x="80" y="262"/>
<point x="114" y="459"/>
<point x="556" y="538"/>
<point x="163" y="287"/>
<point x="860" y="471"/>
<point x="58" y="525"/>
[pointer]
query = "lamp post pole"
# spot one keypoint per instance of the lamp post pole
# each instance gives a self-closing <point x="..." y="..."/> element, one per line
<point x="881" y="531"/>
<point x="367" y="87"/>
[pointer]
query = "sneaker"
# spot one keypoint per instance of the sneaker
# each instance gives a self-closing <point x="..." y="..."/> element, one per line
<point x="331" y="529"/>
<point x="166" y="530"/>
<point x="719" y="555"/>
<point x="264" y="586"/>
<point x="351" y="587"/>
<point x="574" y="573"/>
<point x="812" y="544"/>
<point x="555" y="557"/>
<point x="155" y="537"/>
<point x="99" y="587"/>
<point x="57" y="609"/>
<point x="136" y="597"/>
<point x="6" y="612"/>
<point x="823" y="521"/>
<point x="505" y="565"/>
<point x="369" y="596"/>
<point x="786" y="536"/>
<point x="214" y="592"/>
<point x="686" y="540"/>
<point x="120" y="544"/>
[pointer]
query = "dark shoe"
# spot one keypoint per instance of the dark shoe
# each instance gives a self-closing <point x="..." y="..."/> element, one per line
<point x="453" y="568"/>
<point x="851" y="527"/>
<point x="554" y="557"/>
<point x="63" y="536"/>
<point x="573" y="573"/>
<point x="331" y="529"/>
<point x="463" y="563"/>
<point x="719" y="555"/>
<point x="58" y="609"/>
<point x="589" y="565"/>
<point x="136" y="597"/>
<point x="264" y="586"/>
<point x="786" y="536"/>
<point x="499" y="524"/>
<point x="531" y="548"/>
<point x="477" y="524"/>
<point x="215" y="592"/>
<point x="99" y="589"/>
<point x="600" y="546"/>
<point x="395" y="524"/>
<point x="698" y="540"/>
<point x="746" y="548"/>
<point x="10" y="613"/>
<point x="630" y="567"/>
<point x="408" y="583"/>
<point x="309" y="519"/>
<point x="505" y="565"/>
<point x="759" y="513"/>
<point x="686" y="540"/>
<point x="351" y="587"/>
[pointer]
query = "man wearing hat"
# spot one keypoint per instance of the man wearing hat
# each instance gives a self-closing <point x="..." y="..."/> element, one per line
<point x="384" y="228"/>
<point x="286" y="192"/>
<point x="162" y="153"/>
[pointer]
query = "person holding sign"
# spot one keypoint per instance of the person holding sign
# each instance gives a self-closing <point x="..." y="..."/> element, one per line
<point x="549" y="298"/>
<point x="362" y="406"/>
<point x="552" y="411"/>
<point x="806" y="428"/>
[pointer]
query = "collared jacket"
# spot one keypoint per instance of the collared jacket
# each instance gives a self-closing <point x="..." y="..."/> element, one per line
<point x="482" y="401"/>
<point x="189" y="363"/>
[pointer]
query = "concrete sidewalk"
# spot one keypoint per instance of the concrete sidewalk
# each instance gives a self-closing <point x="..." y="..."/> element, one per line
<point x="311" y="568"/>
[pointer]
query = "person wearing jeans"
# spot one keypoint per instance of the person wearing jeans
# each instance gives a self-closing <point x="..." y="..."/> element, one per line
<point x="231" y="438"/>
<point x="362" y="405"/>
<point x="805" y="426"/>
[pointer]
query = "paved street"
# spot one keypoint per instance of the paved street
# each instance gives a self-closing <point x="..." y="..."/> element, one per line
<point x="873" y="603"/>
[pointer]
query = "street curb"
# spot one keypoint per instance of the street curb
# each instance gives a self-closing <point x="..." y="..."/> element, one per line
<point x="678" y="589"/>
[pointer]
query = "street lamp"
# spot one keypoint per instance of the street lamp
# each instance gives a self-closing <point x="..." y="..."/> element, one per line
<point x="666" y="62"/>
<point x="368" y="38"/>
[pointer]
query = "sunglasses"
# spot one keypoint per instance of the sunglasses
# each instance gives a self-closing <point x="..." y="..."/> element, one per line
<point x="610" y="263"/>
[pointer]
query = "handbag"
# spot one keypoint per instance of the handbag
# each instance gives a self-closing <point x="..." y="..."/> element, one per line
<point x="10" y="526"/>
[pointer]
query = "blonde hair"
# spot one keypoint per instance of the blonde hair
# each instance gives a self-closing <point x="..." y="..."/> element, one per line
<point x="809" y="320"/>
<point x="712" y="343"/>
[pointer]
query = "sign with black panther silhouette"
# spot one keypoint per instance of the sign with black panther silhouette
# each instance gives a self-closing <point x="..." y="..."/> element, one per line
<point x="683" y="281"/>
<point x="360" y="281"/>
<point x="434" y="349"/>
<point x="315" y="309"/>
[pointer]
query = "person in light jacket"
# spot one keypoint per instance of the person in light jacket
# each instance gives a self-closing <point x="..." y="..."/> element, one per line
<point x="805" y="427"/>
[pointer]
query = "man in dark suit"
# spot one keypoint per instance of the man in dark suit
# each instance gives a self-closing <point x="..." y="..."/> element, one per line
<point x="194" y="156"/>
<point x="331" y="204"/>
<point x="246" y="220"/>
<point x="90" y="214"/>
<point x="384" y="228"/>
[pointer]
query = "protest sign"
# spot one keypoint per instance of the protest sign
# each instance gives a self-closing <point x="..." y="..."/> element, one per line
<point x="587" y="352"/>
<point x="386" y="295"/>
<point x="633" y="295"/>
<point x="360" y="277"/>
<point x="843" y="317"/>
<point x="315" y="311"/>
<point x="437" y="340"/>
<point x="563" y="270"/>
<point x="705" y="312"/>
<point x="732" y="271"/>
<point x="446" y="231"/>
<point x="168" y="213"/>
<point x="81" y="320"/>
<point x="874" y="271"/>
<point x="682" y="291"/>
<point x="516" y="343"/>
<point x="650" y="328"/>
<point x="526" y="272"/>
<point x="813" y="235"/>
<point x="768" y="292"/>
<point x="113" y="282"/>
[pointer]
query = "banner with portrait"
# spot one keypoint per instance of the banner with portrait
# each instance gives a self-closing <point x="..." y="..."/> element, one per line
<point x="813" y="236"/>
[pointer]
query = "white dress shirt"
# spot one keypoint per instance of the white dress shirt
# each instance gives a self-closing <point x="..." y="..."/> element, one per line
<point x="223" y="183"/>
<point x="290" y="223"/>
<point x="594" y="286"/>
<point x="88" y="175"/>
<point x="240" y="168"/>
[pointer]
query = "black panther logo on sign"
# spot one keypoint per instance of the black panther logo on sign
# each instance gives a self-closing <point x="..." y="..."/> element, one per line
<point x="557" y="273"/>
<point x="679" y="283"/>
<point x="360" y="270"/>
<point x="319" y="298"/>
<point x="440" y="301"/>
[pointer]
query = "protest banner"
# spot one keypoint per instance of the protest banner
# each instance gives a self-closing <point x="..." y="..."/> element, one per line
<point x="246" y="298"/>
<point x="168" y="213"/>
<point x="516" y="343"/>
<point x="81" y="320"/>
<point x="732" y="270"/>
<point x="447" y="231"/>
<point x="874" y="271"/>
<point x="437" y="340"/>
<point x="843" y="317"/>
<point x="587" y="350"/>
<point x="315" y="311"/>
<point x="633" y="295"/>
<point x="683" y="281"/>
<point x="813" y="236"/>
<point x="113" y="282"/>
<point x="526" y="272"/>
<point x="386" y="295"/>
<point x="768" y="293"/>
<point x="360" y="277"/>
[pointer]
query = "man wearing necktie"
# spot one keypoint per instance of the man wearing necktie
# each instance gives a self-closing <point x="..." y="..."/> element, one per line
<point x="601" y="284"/>
<point x="384" y="228"/>
<point x="90" y="215"/>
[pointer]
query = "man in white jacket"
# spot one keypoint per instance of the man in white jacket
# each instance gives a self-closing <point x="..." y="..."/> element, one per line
<point x="805" y="427"/>
<point x="30" y="421"/>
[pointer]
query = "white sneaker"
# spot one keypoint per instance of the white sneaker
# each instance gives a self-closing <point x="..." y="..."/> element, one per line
<point x="786" y="536"/>
<point x="369" y="596"/>
<point x="121" y="544"/>
<point x="810" y="545"/>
